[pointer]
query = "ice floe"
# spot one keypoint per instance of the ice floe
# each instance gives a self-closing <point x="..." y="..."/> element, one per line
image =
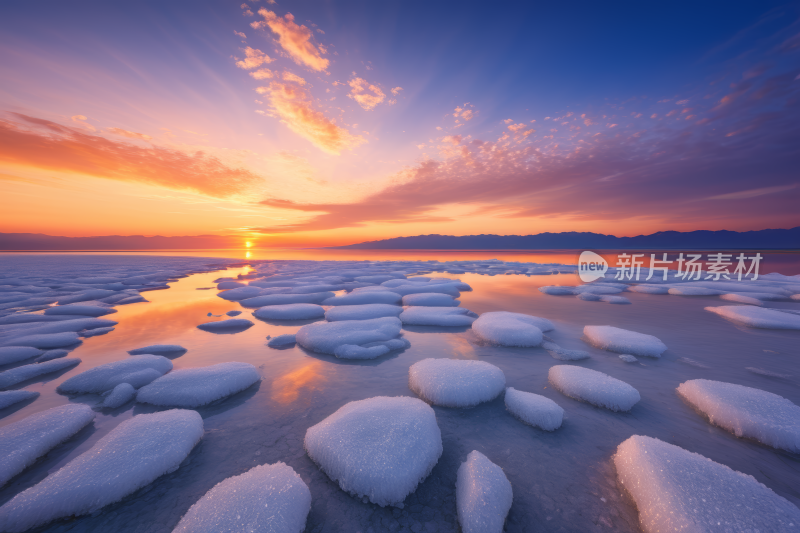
<point x="757" y="317"/>
<point x="95" y="332"/>
<point x="159" y="349"/>
<point x="649" y="289"/>
<point x="81" y="310"/>
<point x="437" y="316"/>
<point x="325" y="337"/>
<point x="621" y="340"/>
<point x="289" y="312"/>
<point x="694" y="291"/>
<point x="534" y="409"/>
<point x="47" y="340"/>
<point x="283" y="299"/>
<point x="105" y="377"/>
<point x="119" y="396"/>
<point x="430" y="299"/>
<point x="593" y="387"/>
<point x="9" y="378"/>
<point x="456" y="382"/>
<point x="231" y="325"/>
<point x="282" y="340"/>
<point x="483" y="495"/>
<point x="511" y="329"/>
<point x="15" y="354"/>
<point x="741" y="299"/>
<point x="380" y="448"/>
<point x="562" y="354"/>
<point x="364" y="298"/>
<point x="627" y="358"/>
<point x="362" y="312"/>
<point x="195" y="387"/>
<point x="614" y="299"/>
<point x="240" y="293"/>
<point x="9" y="398"/>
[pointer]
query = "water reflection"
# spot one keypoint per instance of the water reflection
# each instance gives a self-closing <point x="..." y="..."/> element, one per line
<point x="308" y="377"/>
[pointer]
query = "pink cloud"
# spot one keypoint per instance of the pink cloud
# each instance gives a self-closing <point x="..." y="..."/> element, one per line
<point x="254" y="58"/>
<point x="396" y="90"/>
<point x="130" y="134"/>
<point x="295" y="39"/>
<point x="367" y="95"/>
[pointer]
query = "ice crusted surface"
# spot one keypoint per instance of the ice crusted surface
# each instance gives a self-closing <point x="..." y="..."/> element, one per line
<point x="511" y="329"/>
<point x="226" y="326"/>
<point x="47" y="340"/>
<point x="82" y="310"/>
<point x="555" y="290"/>
<point x="120" y="395"/>
<point x="362" y="312"/>
<point x="193" y="387"/>
<point x="22" y="442"/>
<point x="159" y="349"/>
<point x="593" y="387"/>
<point x="694" y="291"/>
<point x="49" y="355"/>
<point x="649" y="289"/>
<point x="9" y="398"/>
<point x="106" y="377"/>
<point x="282" y="340"/>
<point x="742" y="299"/>
<point x="95" y="332"/>
<point x="624" y="341"/>
<point x="352" y="351"/>
<point x="746" y="412"/>
<point x="562" y="354"/>
<point x="757" y="317"/>
<point x="265" y="498"/>
<point x="677" y="490"/>
<point x="430" y="299"/>
<point x="132" y="455"/>
<point x="615" y="300"/>
<point x="483" y="495"/>
<point x="15" y="354"/>
<point x="534" y="409"/>
<point x="289" y="312"/>
<point x="380" y="448"/>
<point x="437" y="316"/>
<point x="456" y="382"/>
<point x="325" y="337"/>
<point x="283" y="299"/>
<point x="9" y="378"/>
<point x="363" y="298"/>
<point x="627" y="358"/>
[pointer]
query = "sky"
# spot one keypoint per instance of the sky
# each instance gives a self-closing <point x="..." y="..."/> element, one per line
<point x="323" y="123"/>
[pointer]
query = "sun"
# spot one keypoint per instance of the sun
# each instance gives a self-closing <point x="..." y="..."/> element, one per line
<point x="248" y="244"/>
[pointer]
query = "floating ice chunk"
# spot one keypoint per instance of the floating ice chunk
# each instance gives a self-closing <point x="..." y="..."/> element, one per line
<point x="556" y="290"/>
<point x="194" y="387"/>
<point x="11" y="397"/>
<point x="265" y="498"/>
<point x="240" y="293"/>
<point x="593" y="387"/>
<point x="95" y="332"/>
<point x="159" y="349"/>
<point x="22" y="442"/>
<point x="677" y="490"/>
<point x="628" y="358"/>
<point x="9" y="378"/>
<point x="82" y="310"/>
<point x="380" y="448"/>
<point x="767" y="373"/>
<point x="282" y="340"/>
<point x="588" y="297"/>
<point x="120" y="395"/>
<point x="624" y="341"/>
<point x="746" y="412"/>
<point x="226" y="326"/>
<point x="483" y="495"/>
<point x="362" y="312"/>
<point x="562" y="354"/>
<point x="324" y="337"/>
<point x="649" y="289"/>
<point x="741" y="299"/>
<point x="106" y="377"/>
<point x="437" y="316"/>
<point x="456" y="382"/>
<point x="364" y="298"/>
<point x="15" y="354"/>
<point x="598" y="289"/>
<point x="233" y="313"/>
<point x="511" y="329"/>
<point x="283" y="299"/>
<point x="47" y="340"/>
<point x="534" y="409"/>
<point x="131" y="300"/>
<point x="757" y="317"/>
<point x="351" y="351"/>
<point x="131" y="456"/>
<point x="308" y="289"/>
<point x="226" y="285"/>
<point x="430" y="299"/>
<point x="379" y="279"/>
<point x="614" y="300"/>
<point x="289" y="312"/>
<point x="93" y="294"/>
<point x="694" y="291"/>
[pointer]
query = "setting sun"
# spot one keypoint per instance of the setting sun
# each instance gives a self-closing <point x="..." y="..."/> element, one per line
<point x="248" y="244"/>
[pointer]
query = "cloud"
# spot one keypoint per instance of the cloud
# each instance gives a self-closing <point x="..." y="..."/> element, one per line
<point x="288" y="76"/>
<point x="752" y="193"/>
<point x="81" y="119"/>
<point x="42" y="144"/>
<point x="254" y="58"/>
<point x="240" y="34"/>
<point x="294" y="106"/>
<point x="262" y="74"/>
<point x="396" y="90"/>
<point x="295" y="40"/>
<point x="367" y="95"/>
<point x="129" y="134"/>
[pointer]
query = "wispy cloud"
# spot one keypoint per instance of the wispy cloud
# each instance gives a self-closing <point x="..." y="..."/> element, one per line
<point x="296" y="40"/>
<point x="129" y="134"/>
<point x="366" y="94"/>
<point x="254" y="58"/>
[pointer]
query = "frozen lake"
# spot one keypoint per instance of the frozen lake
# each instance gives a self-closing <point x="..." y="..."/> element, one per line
<point x="562" y="480"/>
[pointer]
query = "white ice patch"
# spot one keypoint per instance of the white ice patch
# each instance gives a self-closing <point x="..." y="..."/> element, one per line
<point x="677" y="490"/>
<point x="12" y="397"/>
<point x="131" y="456"/>
<point x="194" y="387"/>
<point x="352" y="351"/>
<point x="627" y="358"/>
<point x="81" y="310"/>
<point x="119" y="396"/>
<point x="282" y="340"/>
<point x="380" y="448"/>
<point x="362" y="312"/>
<point x="456" y="382"/>
<point x="225" y="326"/>
<point x="746" y="412"/>
<point x="240" y="293"/>
<point x="437" y="316"/>
<point x="269" y="498"/>
<point x="159" y="349"/>
<point x="15" y="354"/>
<point x="742" y="299"/>
<point x="511" y="329"/>
<point x="624" y="341"/>
<point x="430" y="299"/>
<point x="649" y="289"/>
<point x="694" y="291"/>
<point x="95" y="332"/>
<point x="534" y="409"/>
<point x="22" y="442"/>
<point x="47" y="340"/>
<point x="364" y="298"/>
<point x="562" y="354"/>
<point x="483" y="495"/>
<point x="105" y="377"/>
<point x="226" y="285"/>
<point x="283" y="299"/>
<point x="757" y="317"/>
<point x="593" y="387"/>
<point x="289" y="312"/>
<point x="557" y="290"/>
<point x="9" y="378"/>
<point x="615" y="300"/>
<point x="325" y="337"/>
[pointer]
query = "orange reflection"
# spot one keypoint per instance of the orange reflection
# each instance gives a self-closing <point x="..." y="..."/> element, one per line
<point x="286" y="388"/>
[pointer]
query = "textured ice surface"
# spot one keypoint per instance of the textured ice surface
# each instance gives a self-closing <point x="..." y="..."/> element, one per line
<point x="562" y="354"/>
<point x="511" y="329"/>
<point x="93" y="294"/>
<point x="159" y="349"/>
<point x="11" y="397"/>
<point x="325" y="337"/>
<point x="624" y="341"/>
<point x="593" y="387"/>
<point x="483" y="495"/>
<point x="95" y="332"/>
<point x="283" y="299"/>
<point x="555" y="290"/>
<point x="437" y="316"/>
<point x="589" y="297"/>
<point x="420" y="288"/>
<point x="362" y="312"/>
<point x="614" y="299"/>
<point x="757" y="317"/>
<point x="628" y="358"/>
<point x="380" y="448"/>
<point x="9" y="378"/>
<point x="22" y="442"/>
<point x="105" y="377"/>
<point x="225" y="326"/>
<point x="430" y="299"/>
<point x="225" y="285"/>
<point x="363" y="298"/>
<point x="694" y="291"/>
<point x="240" y="293"/>
<point x="82" y="310"/>
<point x="15" y="354"/>
<point x="741" y="299"/>
<point x="269" y="498"/>
<point x="534" y="409"/>
<point x="456" y="382"/>
<point x="649" y="289"/>
<point x="282" y="340"/>
<point x="746" y="412"/>
<point x="47" y="340"/>
<point x="120" y="395"/>
<point x="193" y="387"/>
<point x="289" y="312"/>
<point x="131" y="456"/>
<point x="352" y="351"/>
<point x="677" y="490"/>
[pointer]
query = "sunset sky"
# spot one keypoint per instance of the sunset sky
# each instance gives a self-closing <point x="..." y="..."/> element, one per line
<point x="327" y="122"/>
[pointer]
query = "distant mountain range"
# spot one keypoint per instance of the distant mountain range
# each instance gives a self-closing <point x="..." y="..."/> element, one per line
<point x="40" y="242"/>
<point x="767" y="239"/>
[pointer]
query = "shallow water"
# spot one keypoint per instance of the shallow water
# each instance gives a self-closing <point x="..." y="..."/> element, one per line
<point x="562" y="481"/>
